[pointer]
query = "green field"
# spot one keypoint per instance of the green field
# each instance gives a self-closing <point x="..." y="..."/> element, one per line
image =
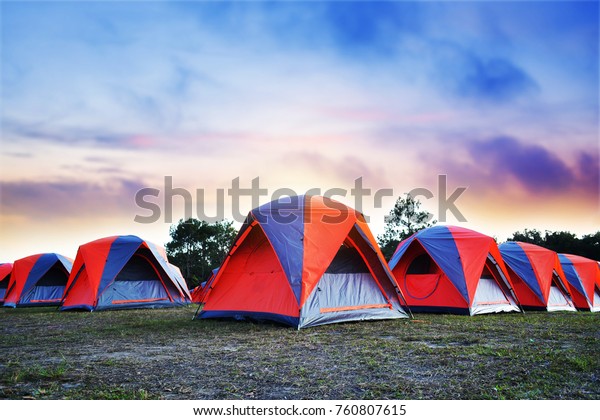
<point x="163" y="354"/>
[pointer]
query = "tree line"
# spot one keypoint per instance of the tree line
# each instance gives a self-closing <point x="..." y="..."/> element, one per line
<point x="406" y="218"/>
<point x="562" y="241"/>
<point x="197" y="247"/>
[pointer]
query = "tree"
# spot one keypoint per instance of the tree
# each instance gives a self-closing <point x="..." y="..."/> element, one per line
<point x="566" y="241"/>
<point x="197" y="247"/>
<point x="562" y="242"/>
<point x="590" y="246"/>
<point x="532" y="236"/>
<point x="404" y="220"/>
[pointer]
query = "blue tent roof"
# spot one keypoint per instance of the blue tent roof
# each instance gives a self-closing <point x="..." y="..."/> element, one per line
<point x="516" y="258"/>
<point x="283" y="223"/>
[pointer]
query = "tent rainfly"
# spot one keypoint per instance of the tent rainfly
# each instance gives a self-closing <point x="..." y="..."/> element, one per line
<point x="448" y="269"/>
<point x="537" y="277"/>
<point x="38" y="280"/>
<point x="304" y="261"/>
<point x="583" y="276"/>
<point x="122" y="272"/>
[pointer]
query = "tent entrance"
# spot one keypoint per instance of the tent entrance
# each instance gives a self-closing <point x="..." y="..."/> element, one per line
<point x="3" y="287"/>
<point x="138" y="282"/>
<point x="596" y="302"/>
<point x="349" y="291"/>
<point x="49" y="289"/>
<point x="422" y="277"/>
<point x="490" y="297"/>
<point x="558" y="298"/>
<point x="348" y="285"/>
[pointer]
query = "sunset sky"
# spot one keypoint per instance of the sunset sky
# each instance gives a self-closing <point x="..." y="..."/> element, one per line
<point x="102" y="99"/>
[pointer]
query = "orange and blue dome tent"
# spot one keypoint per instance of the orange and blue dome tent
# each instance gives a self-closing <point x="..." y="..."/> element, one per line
<point x="583" y="275"/>
<point x="5" y="270"/>
<point x="122" y="272"/>
<point x="537" y="277"/>
<point x="199" y="292"/>
<point x="37" y="280"/>
<point x="304" y="261"/>
<point x="449" y="269"/>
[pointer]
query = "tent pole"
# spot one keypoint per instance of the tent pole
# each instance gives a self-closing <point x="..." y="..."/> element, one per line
<point x="197" y="310"/>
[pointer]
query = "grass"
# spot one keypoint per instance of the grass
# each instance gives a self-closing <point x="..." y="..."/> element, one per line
<point x="149" y="354"/>
<point x="109" y="393"/>
<point x="18" y="373"/>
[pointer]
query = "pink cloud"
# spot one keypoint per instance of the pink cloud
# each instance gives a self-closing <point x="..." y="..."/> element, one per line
<point x="382" y="115"/>
<point x="141" y="141"/>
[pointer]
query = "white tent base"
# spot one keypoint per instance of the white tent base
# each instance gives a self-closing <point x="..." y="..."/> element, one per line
<point x="557" y="301"/>
<point x="596" y="302"/>
<point x="489" y="298"/>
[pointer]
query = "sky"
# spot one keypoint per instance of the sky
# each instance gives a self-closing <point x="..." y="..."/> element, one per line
<point x="100" y="100"/>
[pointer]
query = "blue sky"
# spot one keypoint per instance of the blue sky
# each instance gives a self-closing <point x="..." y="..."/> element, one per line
<point x="100" y="99"/>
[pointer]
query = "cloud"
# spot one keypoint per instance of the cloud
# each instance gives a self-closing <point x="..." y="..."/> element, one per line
<point x="588" y="171"/>
<point x="502" y="161"/>
<point x="23" y="155"/>
<point x="534" y="167"/>
<point x="56" y="133"/>
<point x="465" y="74"/>
<point x="208" y="140"/>
<point x="68" y="199"/>
<point x="498" y="80"/>
<point x="370" y="27"/>
<point x="383" y="115"/>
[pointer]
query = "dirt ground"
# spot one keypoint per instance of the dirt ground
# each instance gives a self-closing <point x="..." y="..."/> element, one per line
<point x="164" y="354"/>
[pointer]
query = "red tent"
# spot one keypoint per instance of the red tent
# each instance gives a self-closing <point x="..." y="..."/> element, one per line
<point x="304" y="261"/>
<point x="537" y="277"/>
<point x="583" y="276"/>
<point x="454" y="270"/>
<point x="5" y="270"/>
<point x="38" y="280"/>
<point x="199" y="292"/>
<point x="123" y="272"/>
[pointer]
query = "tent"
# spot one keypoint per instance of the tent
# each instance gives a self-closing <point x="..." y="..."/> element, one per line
<point x="177" y="274"/>
<point x="537" y="277"/>
<point x="199" y="293"/>
<point x="195" y="293"/>
<point x="448" y="269"/>
<point x="583" y="276"/>
<point x="5" y="270"/>
<point x="37" y="280"/>
<point x="122" y="272"/>
<point x="304" y="261"/>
